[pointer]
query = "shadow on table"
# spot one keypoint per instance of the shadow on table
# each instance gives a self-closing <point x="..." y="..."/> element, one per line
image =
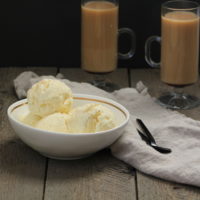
<point x="100" y="162"/>
<point x="18" y="159"/>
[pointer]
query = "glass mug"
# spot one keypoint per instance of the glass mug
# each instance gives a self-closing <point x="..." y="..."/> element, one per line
<point x="179" y="51"/>
<point x="99" y="39"/>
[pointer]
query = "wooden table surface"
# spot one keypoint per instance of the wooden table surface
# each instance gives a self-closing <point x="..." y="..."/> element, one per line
<point x="25" y="174"/>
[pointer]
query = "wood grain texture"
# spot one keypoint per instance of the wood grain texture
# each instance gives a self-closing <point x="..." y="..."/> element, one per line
<point x="98" y="177"/>
<point x="21" y="169"/>
<point x="151" y="188"/>
<point x="43" y="71"/>
<point x="120" y="76"/>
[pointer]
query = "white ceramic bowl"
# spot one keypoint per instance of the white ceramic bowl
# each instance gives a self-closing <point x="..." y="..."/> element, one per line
<point x="63" y="145"/>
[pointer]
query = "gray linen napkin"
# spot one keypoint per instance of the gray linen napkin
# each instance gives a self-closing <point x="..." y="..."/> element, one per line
<point x="170" y="129"/>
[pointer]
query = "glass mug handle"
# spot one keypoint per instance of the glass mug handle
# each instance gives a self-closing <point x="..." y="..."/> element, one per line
<point x="131" y="52"/>
<point x="148" y="51"/>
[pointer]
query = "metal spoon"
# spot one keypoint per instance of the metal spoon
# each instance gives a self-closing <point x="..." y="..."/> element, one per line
<point x="149" y="139"/>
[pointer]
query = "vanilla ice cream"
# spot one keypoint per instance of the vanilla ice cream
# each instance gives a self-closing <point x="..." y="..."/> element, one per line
<point x="49" y="96"/>
<point x="54" y="122"/>
<point x="90" y="118"/>
<point x="50" y="105"/>
<point x="30" y="119"/>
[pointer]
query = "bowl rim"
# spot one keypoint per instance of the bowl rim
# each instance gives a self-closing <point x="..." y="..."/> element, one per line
<point x="105" y="100"/>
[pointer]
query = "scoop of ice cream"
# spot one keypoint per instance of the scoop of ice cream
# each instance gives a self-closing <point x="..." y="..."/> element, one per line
<point x="90" y="118"/>
<point x="49" y="96"/>
<point x="54" y="122"/>
<point x="30" y="119"/>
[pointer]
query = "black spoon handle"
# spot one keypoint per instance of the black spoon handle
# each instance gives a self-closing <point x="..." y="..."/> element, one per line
<point x="150" y="139"/>
<point x="161" y="149"/>
<point x="145" y="130"/>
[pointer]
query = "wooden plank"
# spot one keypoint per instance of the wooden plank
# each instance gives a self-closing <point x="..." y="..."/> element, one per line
<point x="120" y="76"/>
<point x="44" y="70"/>
<point x="151" y="188"/>
<point x="22" y="170"/>
<point x="98" y="177"/>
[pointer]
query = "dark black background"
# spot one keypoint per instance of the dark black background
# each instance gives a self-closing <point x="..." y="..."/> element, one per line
<point x="47" y="32"/>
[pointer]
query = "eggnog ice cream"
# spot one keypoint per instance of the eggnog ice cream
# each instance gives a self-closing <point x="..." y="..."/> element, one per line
<point x="49" y="96"/>
<point x="54" y="122"/>
<point x="50" y="104"/>
<point x="90" y="118"/>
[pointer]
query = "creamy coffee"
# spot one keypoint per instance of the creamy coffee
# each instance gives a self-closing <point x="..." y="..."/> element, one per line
<point x="99" y="36"/>
<point x="180" y="48"/>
